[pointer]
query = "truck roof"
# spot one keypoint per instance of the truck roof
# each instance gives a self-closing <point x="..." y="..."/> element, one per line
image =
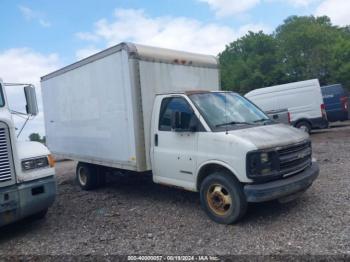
<point x="147" y="53"/>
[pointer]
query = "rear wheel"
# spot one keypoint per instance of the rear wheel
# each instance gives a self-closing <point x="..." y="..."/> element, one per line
<point x="87" y="176"/>
<point x="222" y="198"/>
<point x="303" y="125"/>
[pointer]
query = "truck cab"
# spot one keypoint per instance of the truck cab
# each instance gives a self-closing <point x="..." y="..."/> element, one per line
<point x="27" y="183"/>
<point x="222" y="145"/>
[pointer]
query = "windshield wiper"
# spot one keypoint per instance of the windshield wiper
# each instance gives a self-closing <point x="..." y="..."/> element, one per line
<point x="262" y="120"/>
<point x="233" y="123"/>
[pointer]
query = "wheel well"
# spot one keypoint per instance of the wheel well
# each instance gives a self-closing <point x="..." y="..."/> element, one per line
<point x="302" y="120"/>
<point x="209" y="169"/>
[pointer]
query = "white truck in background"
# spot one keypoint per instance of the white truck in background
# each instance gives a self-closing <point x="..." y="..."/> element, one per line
<point x="302" y="99"/>
<point x="27" y="183"/>
<point x="134" y="108"/>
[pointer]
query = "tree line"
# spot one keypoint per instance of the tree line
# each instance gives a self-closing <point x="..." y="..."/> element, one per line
<point x="303" y="47"/>
<point x="36" y="137"/>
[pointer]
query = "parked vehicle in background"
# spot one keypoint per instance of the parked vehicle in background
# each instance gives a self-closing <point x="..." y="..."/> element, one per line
<point x="27" y="183"/>
<point x="280" y="115"/>
<point x="336" y="101"/>
<point x="134" y="108"/>
<point x="302" y="99"/>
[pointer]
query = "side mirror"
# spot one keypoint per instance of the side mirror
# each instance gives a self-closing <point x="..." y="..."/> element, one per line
<point x="182" y="122"/>
<point x="32" y="106"/>
<point x="176" y="121"/>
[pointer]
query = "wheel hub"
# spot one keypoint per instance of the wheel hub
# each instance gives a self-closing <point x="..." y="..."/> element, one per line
<point x="82" y="176"/>
<point x="219" y="199"/>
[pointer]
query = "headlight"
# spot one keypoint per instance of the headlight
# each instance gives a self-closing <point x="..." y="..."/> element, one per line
<point x="261" y="165"/>
<point x="33" y="163"/>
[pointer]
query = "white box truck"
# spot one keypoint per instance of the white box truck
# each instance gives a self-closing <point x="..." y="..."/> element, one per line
<point x="134" y="108"/>
<point x="302" y="99"/>
<point x="27" y="182"/>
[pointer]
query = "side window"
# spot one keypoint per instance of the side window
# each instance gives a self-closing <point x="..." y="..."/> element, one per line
<point x="168" y="106"/>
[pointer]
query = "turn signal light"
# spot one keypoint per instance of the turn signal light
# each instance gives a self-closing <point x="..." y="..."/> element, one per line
<point x="51" y="160"/>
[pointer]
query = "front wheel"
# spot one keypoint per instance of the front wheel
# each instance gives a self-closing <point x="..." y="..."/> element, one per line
<point x="222" y="198"/>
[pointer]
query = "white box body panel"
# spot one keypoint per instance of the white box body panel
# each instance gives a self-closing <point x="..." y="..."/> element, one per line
<point x="302" y="99"/>
<point x="99" y="110"/>
<point x="88" y="112"/>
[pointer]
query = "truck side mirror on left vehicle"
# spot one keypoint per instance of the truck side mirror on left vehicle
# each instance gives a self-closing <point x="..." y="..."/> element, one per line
<point x="32" y="106"/>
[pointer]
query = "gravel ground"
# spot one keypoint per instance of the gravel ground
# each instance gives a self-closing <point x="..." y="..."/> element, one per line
<point x="134" y="216"/>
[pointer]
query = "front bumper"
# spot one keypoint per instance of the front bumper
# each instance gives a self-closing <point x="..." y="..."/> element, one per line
<point x="26" y="199"/>
<point x="283" y="187"/>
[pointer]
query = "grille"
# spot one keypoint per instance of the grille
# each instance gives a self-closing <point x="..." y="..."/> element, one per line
<point x="295" y="158"/>
<point x="5" y="168"/>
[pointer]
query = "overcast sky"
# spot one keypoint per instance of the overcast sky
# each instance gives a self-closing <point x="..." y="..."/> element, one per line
<point x="40" y="36"/>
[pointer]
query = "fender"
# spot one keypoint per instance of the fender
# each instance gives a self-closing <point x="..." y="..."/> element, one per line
<point x="217" y="162"/>
<point x="30" y="149"/>
<point x="293" y="123"/>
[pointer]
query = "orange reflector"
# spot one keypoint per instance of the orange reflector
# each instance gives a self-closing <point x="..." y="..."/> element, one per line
<point x="51" y="160"/>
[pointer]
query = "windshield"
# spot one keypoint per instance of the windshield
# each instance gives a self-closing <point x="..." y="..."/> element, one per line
<point x="223" y="110"/>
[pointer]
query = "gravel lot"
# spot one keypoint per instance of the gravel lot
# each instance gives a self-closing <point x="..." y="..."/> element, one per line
<point x="134" y="216"/>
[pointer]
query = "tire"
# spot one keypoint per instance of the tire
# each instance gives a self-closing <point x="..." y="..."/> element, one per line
<point x="222" y="198"/>
<point x="303" y="125"/>
<point x="40" y="215"/>
<point x="86" y="175"/>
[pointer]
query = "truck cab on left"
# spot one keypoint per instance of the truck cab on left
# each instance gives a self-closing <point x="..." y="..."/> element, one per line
<point x="27" y="174"/>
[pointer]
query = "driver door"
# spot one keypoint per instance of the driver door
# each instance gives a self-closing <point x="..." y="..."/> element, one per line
<point x="174" y="159"/>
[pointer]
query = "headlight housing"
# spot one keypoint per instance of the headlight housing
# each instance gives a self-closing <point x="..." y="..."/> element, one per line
<point x="35" y="163"/>
<point x="262" y="165"/>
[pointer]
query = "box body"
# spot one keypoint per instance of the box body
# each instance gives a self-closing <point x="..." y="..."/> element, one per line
<point x="99" y="109"/>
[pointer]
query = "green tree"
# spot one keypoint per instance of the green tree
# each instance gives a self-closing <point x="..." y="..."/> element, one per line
<point x="307" y="47"/>
<point x="36" y="137"/>
<point x="301" y="48"/>
<point x="250" y="62"/>
<point x="340" y="63"/>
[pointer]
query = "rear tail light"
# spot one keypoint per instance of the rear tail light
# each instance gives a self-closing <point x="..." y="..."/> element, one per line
<point x="323" y="111"/>
<point x="344" y="102"/>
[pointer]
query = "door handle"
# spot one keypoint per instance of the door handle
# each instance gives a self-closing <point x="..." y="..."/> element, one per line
<point x="156" y="139"/>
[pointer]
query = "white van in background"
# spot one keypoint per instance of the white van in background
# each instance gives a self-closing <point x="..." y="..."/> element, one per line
<point x="302" y="99"/>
